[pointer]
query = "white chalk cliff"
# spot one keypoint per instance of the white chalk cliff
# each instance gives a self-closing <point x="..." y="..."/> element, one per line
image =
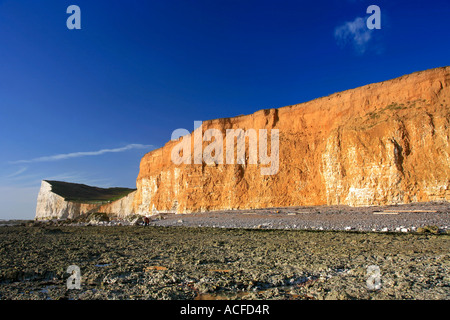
<point x="53" y="206"/>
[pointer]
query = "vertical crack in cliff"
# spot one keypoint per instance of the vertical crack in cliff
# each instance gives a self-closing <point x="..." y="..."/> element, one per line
<point x="398" y="155"/>
<point x="275" y="118"/>
<point x="431" y="123"/>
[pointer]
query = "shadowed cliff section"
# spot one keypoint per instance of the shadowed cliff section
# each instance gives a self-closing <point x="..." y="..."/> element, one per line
<point x="85" y="194"/>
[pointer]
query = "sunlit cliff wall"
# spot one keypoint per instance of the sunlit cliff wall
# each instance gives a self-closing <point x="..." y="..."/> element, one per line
<point x="383" y="143"/>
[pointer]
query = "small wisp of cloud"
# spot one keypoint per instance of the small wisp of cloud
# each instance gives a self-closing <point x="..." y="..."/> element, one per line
<point x="71" y="155"/>
<point x="355" y="32"/>
<point x="17" y="173"/>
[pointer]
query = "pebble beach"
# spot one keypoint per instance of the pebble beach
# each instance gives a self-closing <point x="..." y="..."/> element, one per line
<point x="296" y="253"/>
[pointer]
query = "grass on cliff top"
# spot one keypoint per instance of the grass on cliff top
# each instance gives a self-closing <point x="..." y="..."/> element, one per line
<point x="83" y="193"/>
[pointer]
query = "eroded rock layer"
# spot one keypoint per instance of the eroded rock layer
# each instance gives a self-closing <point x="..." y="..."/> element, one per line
<point x="383" y="143"/>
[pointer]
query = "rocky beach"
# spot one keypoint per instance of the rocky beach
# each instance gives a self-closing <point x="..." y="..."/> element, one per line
<point x="311" y="253"/>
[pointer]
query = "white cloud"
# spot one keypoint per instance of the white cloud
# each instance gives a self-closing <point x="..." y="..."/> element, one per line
<point x="17" y="173"/>
<point x="65" y="156"/>
<point x="356" y="32"/>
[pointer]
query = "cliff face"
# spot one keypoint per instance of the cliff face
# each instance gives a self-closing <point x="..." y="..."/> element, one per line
<point x="382" y="143"/>
<point x="120" y="208"/>
<point x="53" y="206"/>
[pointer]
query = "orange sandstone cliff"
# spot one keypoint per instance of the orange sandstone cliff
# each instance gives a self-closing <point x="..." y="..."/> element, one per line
<point x="383" y="143"/>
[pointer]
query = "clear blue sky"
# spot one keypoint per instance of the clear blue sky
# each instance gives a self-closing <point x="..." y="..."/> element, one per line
<point x="103" y="96"/>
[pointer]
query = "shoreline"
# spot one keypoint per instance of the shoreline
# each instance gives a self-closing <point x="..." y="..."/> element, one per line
<point x="391" y="218"/>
